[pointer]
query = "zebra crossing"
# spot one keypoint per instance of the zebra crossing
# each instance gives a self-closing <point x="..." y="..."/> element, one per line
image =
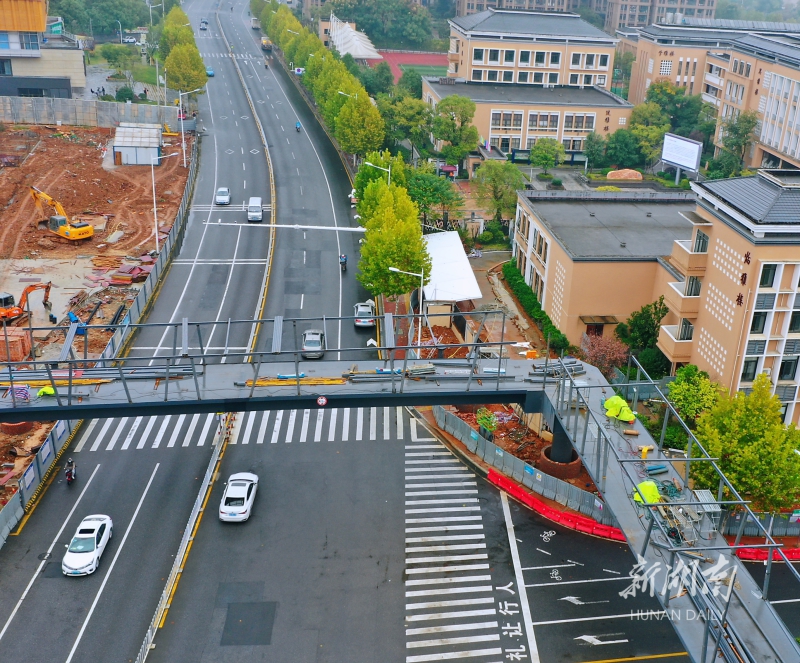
<point x="238" y="56"/>
<point x="269" y="427"/>
<point x="450" y="607"/>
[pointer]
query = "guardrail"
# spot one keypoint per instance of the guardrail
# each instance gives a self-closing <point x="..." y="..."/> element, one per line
<point x="550" y="487"/>
<point x="220" y="440"/>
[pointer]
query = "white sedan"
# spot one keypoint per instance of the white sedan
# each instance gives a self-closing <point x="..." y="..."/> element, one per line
<point x="237" y="500"/>
<point x="87" y="546"/>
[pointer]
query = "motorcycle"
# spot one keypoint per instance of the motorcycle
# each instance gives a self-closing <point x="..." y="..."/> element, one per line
<point x="343" y="264"/>
<point x="70" y="476"/>
<point x="297" y="126"/>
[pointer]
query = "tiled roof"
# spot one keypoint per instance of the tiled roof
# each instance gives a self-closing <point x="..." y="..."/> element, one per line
<point x="502" y="21"/>
<point x="768" y="198"/>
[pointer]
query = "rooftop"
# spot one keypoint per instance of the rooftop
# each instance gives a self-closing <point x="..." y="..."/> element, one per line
<point x="133" y="135"/>
<point x="452" y="278"/>
<point x="771" y="197"/>
<point x="730" y="24"/>
<point x="628" y="226"/>
<point x="509" y="93"/>
<point x="530" y="24"/>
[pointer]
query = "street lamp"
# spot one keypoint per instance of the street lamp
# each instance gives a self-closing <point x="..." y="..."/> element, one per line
<point x="150" y="7"/>
<point x="153" y="175"/>
<point x="293" y="32"/>
<point x="388" y="170"/>
<point x="352" y="96"/>
<point x="182" y="114"/>
<point x="421" y="286"/>
<point x="120" y="31"/>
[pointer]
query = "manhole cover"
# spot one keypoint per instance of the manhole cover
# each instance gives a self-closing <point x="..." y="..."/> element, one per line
<point x="44" y="556"/>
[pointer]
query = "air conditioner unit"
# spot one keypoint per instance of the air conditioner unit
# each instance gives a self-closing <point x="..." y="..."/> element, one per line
<point x="767" y="371"/>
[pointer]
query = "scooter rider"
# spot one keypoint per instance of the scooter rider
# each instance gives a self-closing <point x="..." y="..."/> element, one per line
<point x="297" y="126"/>
<point x="70" y="468"/>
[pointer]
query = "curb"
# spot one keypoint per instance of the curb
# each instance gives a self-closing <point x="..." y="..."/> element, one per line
<point x="571" y="521"/>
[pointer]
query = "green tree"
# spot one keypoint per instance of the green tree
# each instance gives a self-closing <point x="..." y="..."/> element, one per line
<point x="382" y="79"/>
<point x="654" y="362"/>
<point x="432" y="192"/>
<point x="640" y="330"/>
<point x="649" y="114"/>
<point x="413" y="119"/>
<point x="171" y="36"/>
<point x="624" y="62"/>
<point x="651" y="140"/>
<point x="498" y="183"/>
<point x="106" y="13"/>
<point x="185" y="68"/>
<point x="367" y="174"/>
<point x="379" y="194"/>
<point x="125" y="94"/>
<point x="737" y="133"/>
<point x="594" y="148"/>
<point x="451" y="124"/>
<point x="359" y="126"/>
<point x="74" y="13"/>
<point x="547" y="153"/>
<point x="411" y="82"/>
<point x="622" y="149"/>
<point x="591" y="16"/>
<point x="176" y="17"/>
<point x="755" y="449"/>
<point x="692" y="393"/>
<point x="119" y="56"/>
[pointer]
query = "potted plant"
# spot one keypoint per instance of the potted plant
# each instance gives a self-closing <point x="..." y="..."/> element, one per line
<point x="487" y="423"/>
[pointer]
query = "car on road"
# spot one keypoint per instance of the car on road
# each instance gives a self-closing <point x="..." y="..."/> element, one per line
<point x="129" y="40"/>
<point x="313" y="346"/>
<point x="223" y="196"/>
<point x="365" y="314"/>
<point x="86" y="548"/>
<point x="237" y="499"/>
<point x="209" y="72"/>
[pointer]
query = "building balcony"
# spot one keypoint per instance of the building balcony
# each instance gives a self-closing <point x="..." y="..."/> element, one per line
<point x="677" y="351"/>
<point x="711" y="99"/>
<point x="714" y="80"/>
<point x="689" y="262"/>
<point x="680" y="304"/>
<point x="453" y="57"/>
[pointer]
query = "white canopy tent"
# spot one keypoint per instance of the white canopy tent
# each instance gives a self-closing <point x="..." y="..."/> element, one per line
<point x="347" y="40"/>
<point x="452" y="279"/>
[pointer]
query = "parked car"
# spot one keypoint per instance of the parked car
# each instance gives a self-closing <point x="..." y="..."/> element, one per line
<point x="313" y="346"/>
<point x="209" y="72"/>
<point x="236" y="505"/>
<point x="365" y="314"/>
<point x="223" y="196"/>
<point x="86" y="548"/>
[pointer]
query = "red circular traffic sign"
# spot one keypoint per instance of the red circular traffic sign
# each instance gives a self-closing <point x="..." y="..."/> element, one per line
<point x="322" y="401"/>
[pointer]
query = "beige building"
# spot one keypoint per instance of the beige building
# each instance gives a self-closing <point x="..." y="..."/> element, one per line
<point x="467" y="7"/>
<point x="635" y="13"/>
<point x="530" y="48"/>
<point x="593" y="258"/>
<point x="511" y="117"/>
<point x="735" y="69"/>
<point x="33" y="61"/>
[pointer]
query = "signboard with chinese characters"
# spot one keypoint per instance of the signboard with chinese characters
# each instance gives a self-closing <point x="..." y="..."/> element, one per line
<point x="682" y="152"/>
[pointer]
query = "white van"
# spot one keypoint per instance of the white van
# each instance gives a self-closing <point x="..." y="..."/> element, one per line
<point x="254" y="212"/>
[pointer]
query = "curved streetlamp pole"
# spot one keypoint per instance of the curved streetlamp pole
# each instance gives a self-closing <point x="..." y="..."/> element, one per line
<point x="153" y="175"/>
<point x="421" y="286"/>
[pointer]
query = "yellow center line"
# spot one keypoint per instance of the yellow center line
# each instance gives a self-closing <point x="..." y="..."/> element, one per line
<point x="651" y="657"/>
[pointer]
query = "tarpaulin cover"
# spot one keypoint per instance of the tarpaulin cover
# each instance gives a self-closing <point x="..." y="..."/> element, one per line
<point x="649" y="490"/>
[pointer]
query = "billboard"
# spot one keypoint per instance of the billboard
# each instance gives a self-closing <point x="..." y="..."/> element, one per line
<point x="682" y="152"/>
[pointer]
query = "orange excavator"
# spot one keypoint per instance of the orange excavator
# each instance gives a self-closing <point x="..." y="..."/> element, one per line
<point x="9" y="310"/>
<point x="60" y="224"/>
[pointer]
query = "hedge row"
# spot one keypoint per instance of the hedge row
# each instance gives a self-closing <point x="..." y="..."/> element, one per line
<point x="523" y="292"/>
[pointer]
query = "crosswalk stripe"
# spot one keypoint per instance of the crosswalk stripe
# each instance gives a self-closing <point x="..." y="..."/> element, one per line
<point x="117" y="433"/>
<point x="446" y="642"/>
<point x="412" y="454"/>
<point x="345" y="424"/>
<point x="444" y="558"/>
<point x="187" y="440"/>
<point x="428" y="493"/>
<point x="475" y="626"/>
<point x="449" y="569"/>
<point x="445" y="548"/>
<point x="318" y="429"/>
<point x="456" y="537"/>
<point x="304" y="428"/>
<point x="451" y="615"/>
<point x="359" y="423"/>
<point x="465" y="500"/>
<point x="399" y="423"/>
<point x="446" y="581"/>
<point x="175" y="433"/>
<point x="449" y="484"/>
<point x="332" y="427"/>
<point x="251" y="419"/>
<point x="386" y="423"/>
<point x="445" y="509"/>
<point x="457" y="468"/>
<point x="129" y="437"/>
<point x="373" y="423"/>
<point x="102" y="434"/>
<point x="425" y="477"/>
<point x="161" y="431"/>
<point x="448" y="604"/>
<point x="443" y="528"/>
<point x="262" y="429"/>
<point x="143" y="439"/>
<point x="277" y="428"/>
<point x="449" y="590"/>
<point x="290" y="426"/>
<point x="86" y="435"/>
<point x="204" y="433"/>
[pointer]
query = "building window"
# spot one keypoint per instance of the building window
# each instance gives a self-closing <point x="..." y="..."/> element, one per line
<point x="494" y="55"/>
<point x="747" y="71"/>
<point x="686" y="330"/>
<point x="477" y="74"/>
<point x="517" y="121"/>
<point x="567" y="143"/>
<point x="538" y="77"/>
<point x="5" y="68"/>
<point x="525" y="57"/>
<point x="491" y="76"/>
<point x="508" y="57"/>
<point x="540" y="59"/>
<point x="576" y="60"/>
<point x="759" y="322"/>
<point x="603" y="61"/>
<point x="749" y="368"/>
<point x="650" y="64"/>
<point x="496" y="120"/>
<point x="568" y="118"/>
<point x="555" y="59"/>
<point x="29" y="41"/>
<point x="666" y="68"/>
<point x="693" y="285"/>
<point x="553" y="122"/>
<point x="601" y="80"/>
<point x="573" y="79"/>
<point x="794" y="323"/>
<point x="522" y="77"/>
<point x="515" y="143"/>
<point x="623" y="120"/>
<point x="477" y="55"/>
<point x="508" y="77"/>
<point x="700" y="242"/>
<point x="589" y="61"/>
<point x="552" y="79"/>
<point x="788" y="369"/>
<point x="4" y="41"/>
<point x="594" y="330"/>
<point x="767" y="276"/>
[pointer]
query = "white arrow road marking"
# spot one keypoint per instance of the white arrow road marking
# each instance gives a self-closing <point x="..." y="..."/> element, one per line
<point x="576" y="601"/>
<point x="592" y="640"/>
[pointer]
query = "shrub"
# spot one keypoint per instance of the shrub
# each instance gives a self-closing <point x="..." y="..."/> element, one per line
<point x="544" y="177"/>
<point x="125" y="94"/>
<point x="608" y="188"/>
<point x="654" y="362"/>
<point x="556" y="182"/>
<point x="531" y="306"/>
<point x="107" y="97"/>
<point x="497" y="230"/>
<point x="485" y="237"/>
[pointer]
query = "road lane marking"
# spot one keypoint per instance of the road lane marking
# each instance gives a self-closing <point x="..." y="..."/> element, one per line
<point x="111" y="568"/>
<point x="444" y="558"/>
<point x="651" y="657"/>
<point x="345" y="424"/>
<point x="304" y="427"/>
<point x="443" y="528"/>
<point x="359" y="423"/>
<point x="332" y="427"/>
<point x="629" y="615"/>
<point x="445" y="548"/>
<point x="49" y="551"/>
<point x="98" y="440"/>
<point x="548" y="566"/>
<point x="449" y="590"/>
<point x="318" y="428"/>
<point x="523" y="595"/>
<point x="204" y="433"/>
<point x="129" y="437"/>
<point x="577" y="582"/>
<point x="448" y="604"/>
<point x="224" y="298"/>
<point x="399" y="423"/>
<point x="446" y="581"/>
<point x="187" y="440"/>
<point x="251" y="419"/>
<point x="451" y="519"/>
<point x="386" y="424"/>
<point x="277" y="429"/>
<point x="448" y="569"/>
<point x="85" y="437"/>
<point x="451" y="615"/>
<point x="290" y="426"/>
<point x="373" y="423"/>
<point x="117" y="433"/>
<point x="175" y="433"/>
<point x="143" y="439"/>
<point x="414" y="433"/>
<point x="429" y="630"/>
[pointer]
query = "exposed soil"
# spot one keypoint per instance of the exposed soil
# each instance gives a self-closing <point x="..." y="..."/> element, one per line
<point x="516" y="438"/>
<point x="443" y="336"/>
<point x="17" y="450"/>
<point x="67" y="164"/>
